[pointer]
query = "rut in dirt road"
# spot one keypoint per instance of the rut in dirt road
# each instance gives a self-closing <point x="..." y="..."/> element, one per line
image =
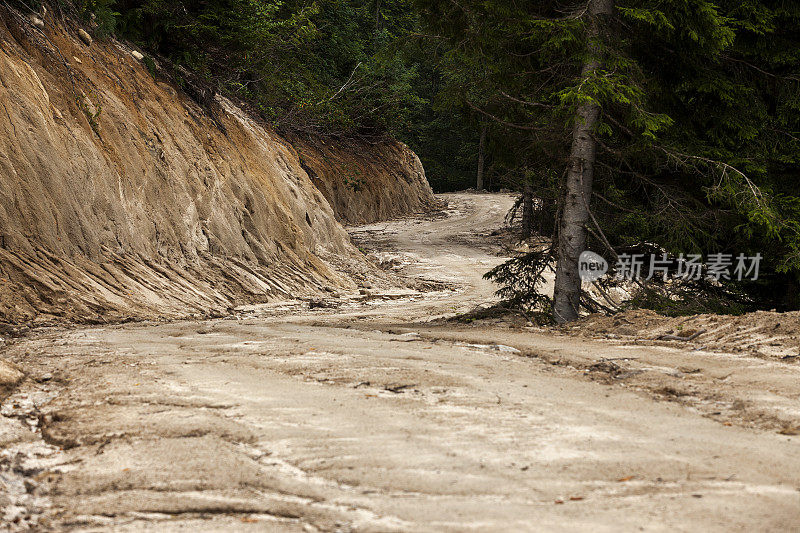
<point x="366" y="417"/>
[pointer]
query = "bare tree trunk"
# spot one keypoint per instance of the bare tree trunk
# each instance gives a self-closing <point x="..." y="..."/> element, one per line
<point x="527" y="209"/>
<point x="575" y="212"/>
<point x="481" y="158"/>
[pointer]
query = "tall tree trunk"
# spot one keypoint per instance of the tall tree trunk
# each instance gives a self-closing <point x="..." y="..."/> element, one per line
<point x="481" y="158"/>
<point x="575" y="211"/>
<point x="527" y="209"/>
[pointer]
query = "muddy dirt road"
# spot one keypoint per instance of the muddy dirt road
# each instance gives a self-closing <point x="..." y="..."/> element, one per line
<point x="369" y="416"/>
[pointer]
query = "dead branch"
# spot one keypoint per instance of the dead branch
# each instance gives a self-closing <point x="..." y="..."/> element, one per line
<point x="682" y="339"/>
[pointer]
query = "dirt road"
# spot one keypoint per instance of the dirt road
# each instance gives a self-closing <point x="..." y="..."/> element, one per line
<point x="369" y="417"/>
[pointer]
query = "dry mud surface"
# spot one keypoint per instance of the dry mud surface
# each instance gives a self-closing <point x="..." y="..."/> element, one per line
<point x="369" y="411"/>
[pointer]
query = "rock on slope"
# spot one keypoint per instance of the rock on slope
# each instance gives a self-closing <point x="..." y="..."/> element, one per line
<point x="120" y="197"/>
<point x="365" y="182"/>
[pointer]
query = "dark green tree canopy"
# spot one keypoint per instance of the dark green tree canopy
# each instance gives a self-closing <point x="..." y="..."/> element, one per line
<point x="698" y="132"/>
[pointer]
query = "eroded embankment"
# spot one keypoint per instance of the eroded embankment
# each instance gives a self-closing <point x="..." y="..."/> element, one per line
<point x="122" y="198"/>
<point x="365" y="182"/>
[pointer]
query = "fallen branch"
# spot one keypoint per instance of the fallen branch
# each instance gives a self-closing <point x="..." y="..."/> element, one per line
<point x="397" y="388"/>
<point x="682" y="339"/>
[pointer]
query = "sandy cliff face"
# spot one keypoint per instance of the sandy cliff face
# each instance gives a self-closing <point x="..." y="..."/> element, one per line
<point x="120" y="197"/>
<point x="365" y="182"/>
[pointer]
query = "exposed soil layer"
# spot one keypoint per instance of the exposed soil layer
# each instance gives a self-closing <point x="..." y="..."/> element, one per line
<point x="366" y="182"/>
<point x="763" y="333"/>
<point x="121" y="197"/>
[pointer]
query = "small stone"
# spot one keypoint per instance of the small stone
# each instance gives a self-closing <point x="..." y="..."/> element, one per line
<point x="46" y="377"/>
<point x="138" y="55"/>
<point x="322" y="304"/>
<point x="77" y="60"/>
<point x="10" y="374"/>
<point x="505" y="349"/>
<point x="36" y="21"/>
<point x="85" y="37"/>
<point x="14" y="513"/>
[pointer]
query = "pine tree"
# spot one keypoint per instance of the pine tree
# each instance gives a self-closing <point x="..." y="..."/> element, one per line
<point x="580" y="174"/>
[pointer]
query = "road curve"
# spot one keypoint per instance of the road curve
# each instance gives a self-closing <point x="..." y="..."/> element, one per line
<point x="362" y="419"/>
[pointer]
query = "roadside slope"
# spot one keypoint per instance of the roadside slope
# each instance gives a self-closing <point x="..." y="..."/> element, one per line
<point x="366" y="182"/>
<point x="122" y="198"/>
